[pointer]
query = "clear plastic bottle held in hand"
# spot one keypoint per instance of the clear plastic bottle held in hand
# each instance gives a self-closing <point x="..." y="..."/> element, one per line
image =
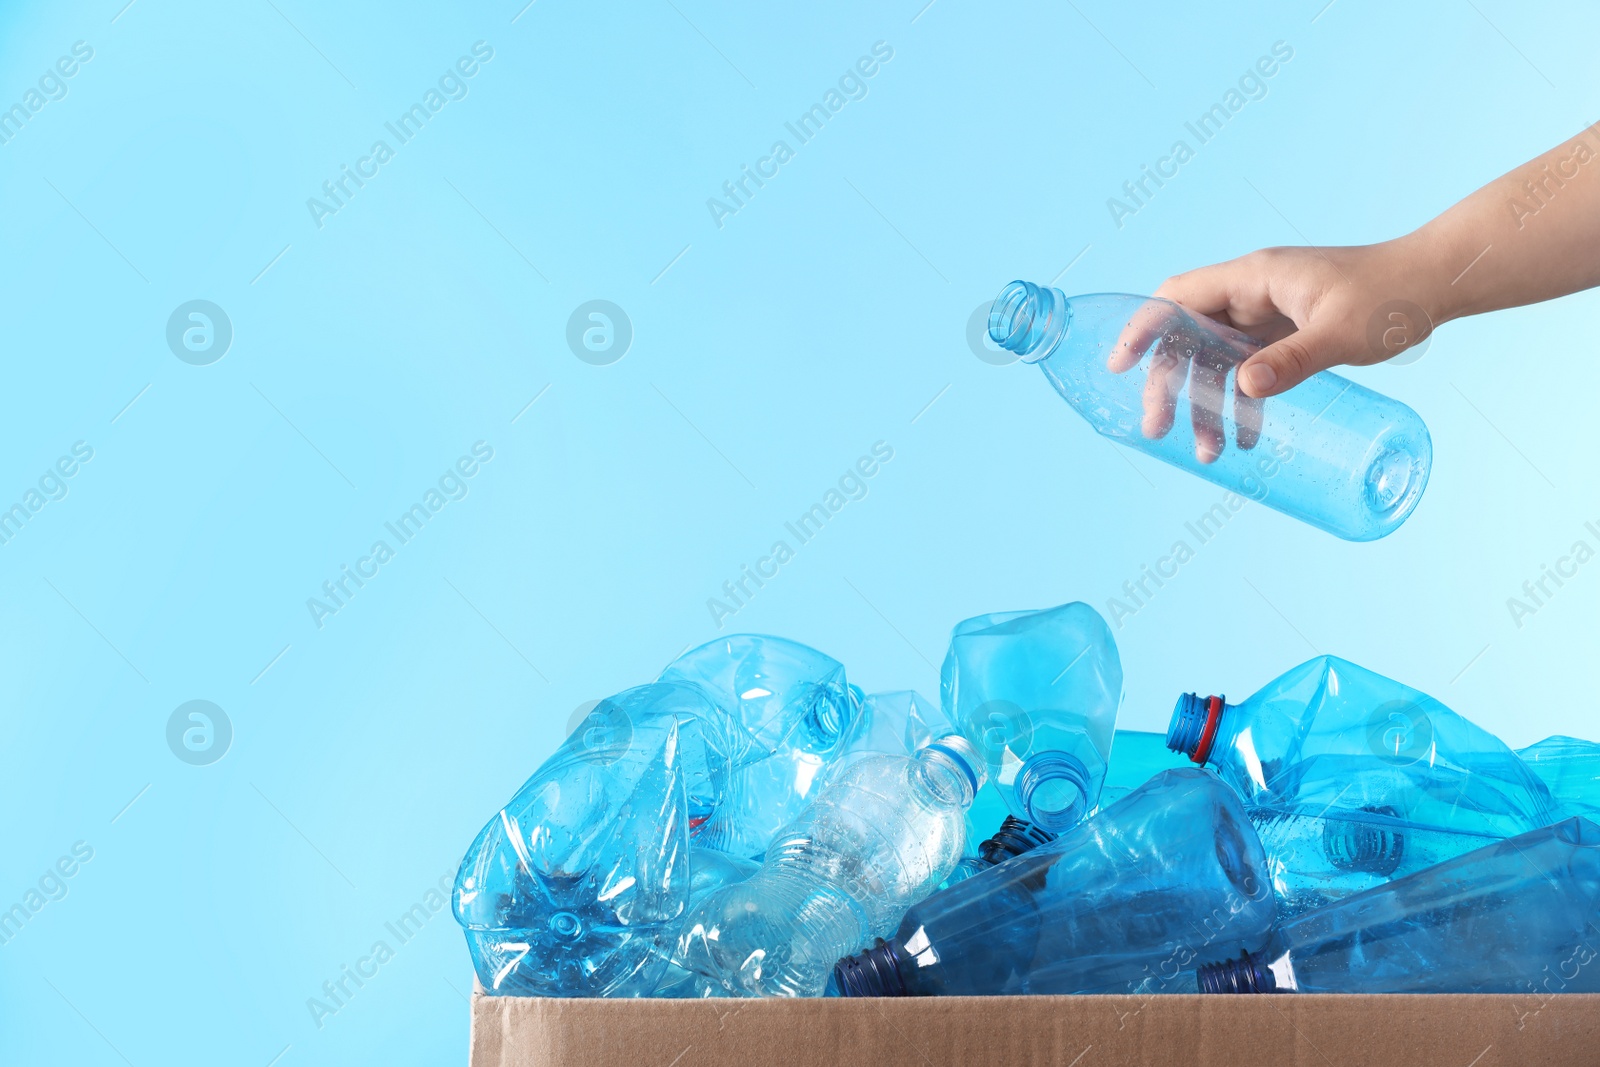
<point x="1154" y="376"/>
<point x="1037" y="693"/>
<point x="578" y="886"/>
<point x="794" y="715"/>
<point x="1332" y="735"/>
<point x="1128" y="899"/>
<point x="1518" y="916"/>
<point x="1570" y="766"/>
<point x="1318" y="856"/>
<point x="881" y="836"/>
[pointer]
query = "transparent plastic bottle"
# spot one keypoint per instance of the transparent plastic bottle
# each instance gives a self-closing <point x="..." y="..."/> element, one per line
<point x="1037" y="693"/>
<point x="1570" y="766"/>
<point x="883" y="835"/>
<point x="1332" y="735"/>
<point x="709" y="871"/>
<point x="1129" y="898"/>
<point x="1518" y="916"/>
<point x="1317" y="856"/>
<point x="1328" y="452"/>
<point x="579" y="884"/>
<point x="794" y="715"/>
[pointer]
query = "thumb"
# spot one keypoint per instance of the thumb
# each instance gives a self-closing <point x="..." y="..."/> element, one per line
<point x="1284" y="364"/>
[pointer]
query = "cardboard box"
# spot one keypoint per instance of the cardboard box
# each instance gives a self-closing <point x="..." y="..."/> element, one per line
<point x="1084" y="1031"/>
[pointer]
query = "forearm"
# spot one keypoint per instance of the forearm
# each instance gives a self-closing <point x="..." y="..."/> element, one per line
<point x="1532" y="234"/>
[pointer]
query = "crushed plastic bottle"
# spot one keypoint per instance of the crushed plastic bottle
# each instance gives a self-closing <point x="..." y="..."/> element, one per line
<point x="795" y="714"/>
<point x="1318" y="856"/>
<point x="709" y="871"/>
<point x="1328" y="452"/>
<point x="1037" y="693"/>
<point x="883" y="835"/>
<point x="1332" y="735"/>
<point x="1127" y="899"/>
<point x="1571" y="768"/>
<point x="579" y="884"/>
<point x="1518" y="916"/>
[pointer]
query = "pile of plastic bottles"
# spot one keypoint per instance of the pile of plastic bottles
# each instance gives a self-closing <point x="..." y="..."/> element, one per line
<point x="751" y="824"/>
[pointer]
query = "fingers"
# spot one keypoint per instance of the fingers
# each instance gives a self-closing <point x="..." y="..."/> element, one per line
<point x="1205" y="408"/>
<point x="1208" y="290"/>
<point x="1143" y="327"/>
<point x="1286" y="363"/>
<point x="1162" y="384"/>
<point x="1247" y="415"/>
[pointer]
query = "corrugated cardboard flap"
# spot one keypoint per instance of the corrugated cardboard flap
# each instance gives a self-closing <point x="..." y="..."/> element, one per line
<point x="1167" y="1031"/>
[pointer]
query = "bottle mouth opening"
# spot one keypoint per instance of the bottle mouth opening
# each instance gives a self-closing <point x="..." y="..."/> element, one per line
<point x="1028" y="319"/>
<point x="958" y="750"/>
<point x="1053" y="790"/>
<point x="830" y="712"/>
<point x="1195" y="721"/>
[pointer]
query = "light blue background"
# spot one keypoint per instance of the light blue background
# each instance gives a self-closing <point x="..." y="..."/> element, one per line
<point x="768" y="355"/>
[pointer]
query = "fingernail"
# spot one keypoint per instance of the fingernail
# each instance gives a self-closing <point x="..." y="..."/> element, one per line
<point x="1259" y="377"/>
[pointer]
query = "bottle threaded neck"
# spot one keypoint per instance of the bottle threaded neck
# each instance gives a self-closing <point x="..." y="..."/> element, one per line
<point x="1246" y="974"/>
<point x="1014" y="837"/>
<point x="872" y="972"/>
<point x="1053" y="788"/>
<point x="1029" y="320"/>
<point x="1196" y="721"/>
<point x="956" y="757"/>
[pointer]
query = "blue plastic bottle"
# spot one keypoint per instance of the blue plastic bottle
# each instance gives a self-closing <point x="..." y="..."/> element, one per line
<point x="1519" y="916"/>
<point x="1317" y="856"/>
<point x="1136" y="757"/>
<point x="881" y="836"/>
<point x="1129" y="898"/>
<point x="1328" y="452"/>
<point x="1331" y="735"/>
<point x="794" y="715"/>
<point x="578" y="886"/>
<point x="1571" y="768"/>
<point x="1037" y="693"/>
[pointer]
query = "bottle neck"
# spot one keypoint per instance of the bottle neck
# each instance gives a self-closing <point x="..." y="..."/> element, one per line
<point x="1014" y="837"/>
<point x="1247" y="974"/>
<point x="1029" y="319"/>
<point x="1053" y="789"/>
<point x="950" y="769"/>
<point x="1197" y="724"/>
<point x="873" y="972"/>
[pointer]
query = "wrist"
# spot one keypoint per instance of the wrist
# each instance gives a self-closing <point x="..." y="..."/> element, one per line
<point x="1425" y="268"/>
